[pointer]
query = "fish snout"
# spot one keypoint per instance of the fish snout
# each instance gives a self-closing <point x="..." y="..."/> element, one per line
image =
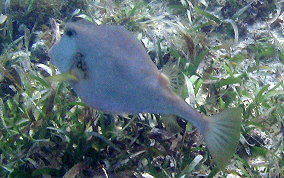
<point x="50" y="54"/>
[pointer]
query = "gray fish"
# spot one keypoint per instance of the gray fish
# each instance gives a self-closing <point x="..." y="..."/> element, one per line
<point x="112" y="72"/>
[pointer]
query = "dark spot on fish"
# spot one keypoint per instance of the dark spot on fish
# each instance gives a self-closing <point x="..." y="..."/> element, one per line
<point x="80" y="65"/>
<point x="80" y="62"/>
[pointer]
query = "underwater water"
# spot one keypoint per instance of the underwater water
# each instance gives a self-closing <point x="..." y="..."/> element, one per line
<point x="216" y="54"/>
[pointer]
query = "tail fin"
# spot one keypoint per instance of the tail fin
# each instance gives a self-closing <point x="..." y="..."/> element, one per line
<point x="223" y="135"/>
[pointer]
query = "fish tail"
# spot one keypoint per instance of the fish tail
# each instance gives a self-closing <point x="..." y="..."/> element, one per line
<point x="222" y="135"/>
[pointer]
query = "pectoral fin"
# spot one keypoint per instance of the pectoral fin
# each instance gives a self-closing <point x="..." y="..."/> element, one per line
<point x="171" y="71"/>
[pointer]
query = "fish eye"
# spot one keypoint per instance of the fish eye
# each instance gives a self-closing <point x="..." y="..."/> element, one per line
<point x="70" y="32"/>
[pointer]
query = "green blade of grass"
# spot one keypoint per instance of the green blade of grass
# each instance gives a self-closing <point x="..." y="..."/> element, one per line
<point x="228" y="81"/>
<point x="95" y="134"/>
<point x="190" y="167"/>
<point x="208" y="15"/>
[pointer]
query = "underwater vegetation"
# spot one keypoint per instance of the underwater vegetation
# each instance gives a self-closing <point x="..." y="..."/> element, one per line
<point x="218" y="55"/>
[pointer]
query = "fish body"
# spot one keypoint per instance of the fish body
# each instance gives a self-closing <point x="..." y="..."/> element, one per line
<point x="115" y="74"/>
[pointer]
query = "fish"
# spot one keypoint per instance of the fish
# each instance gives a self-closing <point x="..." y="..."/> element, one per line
<point x="112" y="72"/>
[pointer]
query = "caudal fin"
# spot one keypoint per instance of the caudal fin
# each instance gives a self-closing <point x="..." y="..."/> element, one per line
<point x="223" y="135"/>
